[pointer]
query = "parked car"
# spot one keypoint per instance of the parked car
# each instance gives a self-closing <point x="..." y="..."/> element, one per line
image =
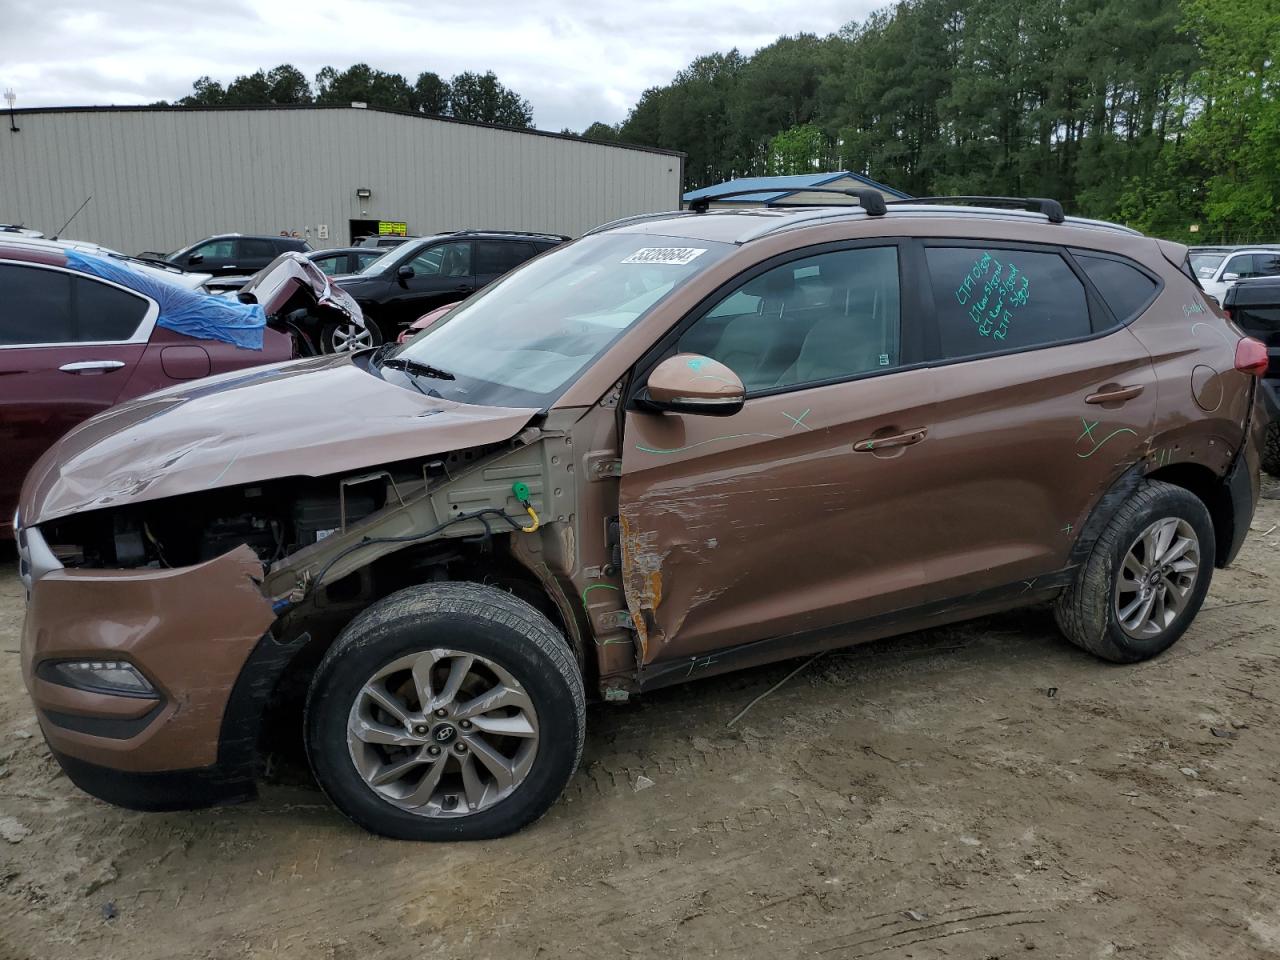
<point x="156" y="268"/>
<point x="17" y="229"/>
<point x="381" y="241"/>
<point x="80" y="333"/>
<point x="233" y="253"/>
<point x="344" y="260"/>
<point x="683" y="444"/>
<point x="1254" y="306"/>
<point x="424" y="321"/>
<point x="428" y="272"/>
<point x="1241" y="263"/>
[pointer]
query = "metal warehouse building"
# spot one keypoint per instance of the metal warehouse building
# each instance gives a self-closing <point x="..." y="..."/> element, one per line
<point x="162" y="177"/>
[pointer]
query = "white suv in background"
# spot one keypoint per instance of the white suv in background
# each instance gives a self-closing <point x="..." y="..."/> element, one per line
<point x="1242" y="263"/>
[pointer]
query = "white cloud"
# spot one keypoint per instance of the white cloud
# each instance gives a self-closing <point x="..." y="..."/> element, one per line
<point x="575" y="62"/>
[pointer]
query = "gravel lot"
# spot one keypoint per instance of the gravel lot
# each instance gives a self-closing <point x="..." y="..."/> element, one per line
<point x="973" y="792"/>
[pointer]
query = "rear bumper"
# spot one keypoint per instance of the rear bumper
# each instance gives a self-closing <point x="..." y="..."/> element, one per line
<point x="194" y="633"/>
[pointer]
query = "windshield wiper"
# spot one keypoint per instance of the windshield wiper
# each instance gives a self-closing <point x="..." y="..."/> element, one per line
<point x="418" y="369"/>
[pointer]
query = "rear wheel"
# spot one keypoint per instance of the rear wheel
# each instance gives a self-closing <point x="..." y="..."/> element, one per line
<point x="449" y="711"/>
<point x="1145" y="579"/>
<point x="1271" y="449"/>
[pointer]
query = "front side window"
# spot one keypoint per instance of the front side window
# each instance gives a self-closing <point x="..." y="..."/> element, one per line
<point x="332" y="265"/>
<point x="989" y="299"/>
<point x="1241" y="266"/>
<point x="444" y="260"/>
<point x="214" y="250"/>
<point x="524" y="338"/>
<point x="35" y="305"/>
<point x="827" y="317"/>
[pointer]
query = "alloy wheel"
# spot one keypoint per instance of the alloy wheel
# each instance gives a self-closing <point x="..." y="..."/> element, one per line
<point x="1157" y="577"/>
<point x="347" y="338"/>
<point x="442" y="733"/>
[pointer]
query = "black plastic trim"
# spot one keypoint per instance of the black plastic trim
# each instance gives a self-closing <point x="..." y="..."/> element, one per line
<point x="168" y="790"/>
<point x="109" y="728"/>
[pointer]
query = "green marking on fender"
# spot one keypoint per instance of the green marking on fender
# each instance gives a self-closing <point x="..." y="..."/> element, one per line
<point x="1099" y="444"/>
<point x="596" y="586"/>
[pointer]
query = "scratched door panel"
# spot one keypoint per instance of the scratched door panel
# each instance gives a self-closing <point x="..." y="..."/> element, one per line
<point x="1022" y="457"/>
<point x="768" y="522"/>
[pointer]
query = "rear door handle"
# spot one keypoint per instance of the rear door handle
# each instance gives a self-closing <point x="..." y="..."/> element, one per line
<point x="91" y="366"/>
<point x="1114" y="394"/>
<point x="463" y="286"/>
<point x="871" y="444"/>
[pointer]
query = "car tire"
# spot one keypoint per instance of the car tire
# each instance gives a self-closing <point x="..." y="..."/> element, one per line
<point x="1271" y="449"/>
<point x="340" y="338"/>
<point x="403" y="679"/>
<point x="1097" y="611"/>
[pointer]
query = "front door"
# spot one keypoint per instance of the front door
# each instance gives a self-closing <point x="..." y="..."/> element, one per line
<point x="442" y="273"/>
<point x="802" y="510"/>
<point x="67" y="349"/>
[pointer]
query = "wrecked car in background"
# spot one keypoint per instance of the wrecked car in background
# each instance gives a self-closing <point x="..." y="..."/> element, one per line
<point x="80" y="333"/>
<point x="684" y="444"/>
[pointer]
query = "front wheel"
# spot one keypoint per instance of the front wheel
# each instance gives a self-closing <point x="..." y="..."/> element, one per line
<point x="1145" y="579"/>
<point x="449" y="711"/>
<point x="344" y="338"/>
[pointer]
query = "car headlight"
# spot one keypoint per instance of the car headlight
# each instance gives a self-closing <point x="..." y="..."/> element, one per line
<point x="115" y="677"/>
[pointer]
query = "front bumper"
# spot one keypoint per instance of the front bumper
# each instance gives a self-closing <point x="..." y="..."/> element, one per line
<point x="190" y="631"/>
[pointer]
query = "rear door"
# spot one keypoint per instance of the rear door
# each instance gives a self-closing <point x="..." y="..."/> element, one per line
<point x="803" y="509"/>
<point x="68" y="345"/>
<point x="252" y="254"/>
<point x="1043" y="400"/>
<point x="496" y="257"/>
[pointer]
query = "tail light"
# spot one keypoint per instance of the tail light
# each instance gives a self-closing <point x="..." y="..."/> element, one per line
<point x="1251" y="357"/>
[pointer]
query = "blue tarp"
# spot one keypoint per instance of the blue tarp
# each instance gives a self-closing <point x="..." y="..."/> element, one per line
<point x="190" y="312"/>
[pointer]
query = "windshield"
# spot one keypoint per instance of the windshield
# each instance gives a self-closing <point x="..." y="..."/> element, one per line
<point x="1204" y="264"/>
<point x="523" y="339"/>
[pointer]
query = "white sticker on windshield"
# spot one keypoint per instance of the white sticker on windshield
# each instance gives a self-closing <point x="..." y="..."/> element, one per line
<point x="676" y="255"/>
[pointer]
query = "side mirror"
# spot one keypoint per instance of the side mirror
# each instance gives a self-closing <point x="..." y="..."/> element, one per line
<point x="690" y="383"/>
<point x="1231" y="276"/>
<point x="195" y="258"/>
<point x="405" y="272"/>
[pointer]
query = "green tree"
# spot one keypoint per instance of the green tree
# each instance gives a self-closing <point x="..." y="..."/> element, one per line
<point x="361" y="83"/>
<point x="600" y="131"/>
<point x="431" y="94"/>
<point x="483" y="99"/>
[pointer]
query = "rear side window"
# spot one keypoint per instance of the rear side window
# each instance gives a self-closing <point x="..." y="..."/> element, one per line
<point x="49" y="306"/>
<point x="1125" y="289"/>
<point x="499" y="256"/>
<point x="261" y="249"/>
<point x="106" y="313"/>
<point x="990" y="299"/>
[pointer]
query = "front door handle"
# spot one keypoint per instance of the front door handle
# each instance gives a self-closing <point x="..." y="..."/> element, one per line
<point x="463" y="287"/>
<point x="1113" y="393"/>
<point x="905" y="439"/>
<point x="91" y="366"/>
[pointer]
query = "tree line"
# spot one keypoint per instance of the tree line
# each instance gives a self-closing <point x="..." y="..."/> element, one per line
<point x="479" y="97"/>
<point x="1159" y="114"/>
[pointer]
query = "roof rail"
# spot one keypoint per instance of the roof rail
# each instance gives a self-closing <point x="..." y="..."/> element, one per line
<point x="872" y="201"/>
<point x="1050" y="208"/>
<point x="635" y="218"/>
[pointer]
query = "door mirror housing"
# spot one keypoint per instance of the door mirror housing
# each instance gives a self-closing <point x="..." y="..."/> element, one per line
<point x="691" y="383"/>
<point x="195" y="258"/>
<point x="1231" y="276"/>
<point x="405" y="272"/>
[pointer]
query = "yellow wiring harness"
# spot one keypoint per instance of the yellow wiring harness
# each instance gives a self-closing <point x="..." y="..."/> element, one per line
<point x="521" y="492"/>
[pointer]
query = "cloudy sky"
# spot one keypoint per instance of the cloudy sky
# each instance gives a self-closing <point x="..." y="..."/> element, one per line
<point x="575" y="61"/>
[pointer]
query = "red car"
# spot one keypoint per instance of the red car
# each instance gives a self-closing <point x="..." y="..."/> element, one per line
<point x="424" y="321"/>
<point x="79" y="334"/>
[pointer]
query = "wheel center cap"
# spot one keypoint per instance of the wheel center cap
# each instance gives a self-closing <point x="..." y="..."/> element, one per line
<point x="444" y="733"/>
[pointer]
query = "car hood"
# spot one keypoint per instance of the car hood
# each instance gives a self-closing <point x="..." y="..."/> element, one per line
<point x="313" y="417"/>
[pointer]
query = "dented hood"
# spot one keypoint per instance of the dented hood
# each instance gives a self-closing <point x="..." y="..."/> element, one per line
<point x="311" y="417"/>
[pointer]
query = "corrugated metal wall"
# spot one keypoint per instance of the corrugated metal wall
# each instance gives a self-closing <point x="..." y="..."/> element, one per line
<point x="163" y="178"/>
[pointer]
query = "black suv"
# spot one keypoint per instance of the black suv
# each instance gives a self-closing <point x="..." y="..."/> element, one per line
<point x="230" y="253"/>
<point x="428" y="272"/>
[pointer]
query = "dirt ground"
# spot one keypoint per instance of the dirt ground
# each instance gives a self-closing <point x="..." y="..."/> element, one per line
<point x="971" y="792"/>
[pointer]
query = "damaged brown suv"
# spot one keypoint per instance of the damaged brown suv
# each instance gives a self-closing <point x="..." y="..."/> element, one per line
<point x="684" y="444"/>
